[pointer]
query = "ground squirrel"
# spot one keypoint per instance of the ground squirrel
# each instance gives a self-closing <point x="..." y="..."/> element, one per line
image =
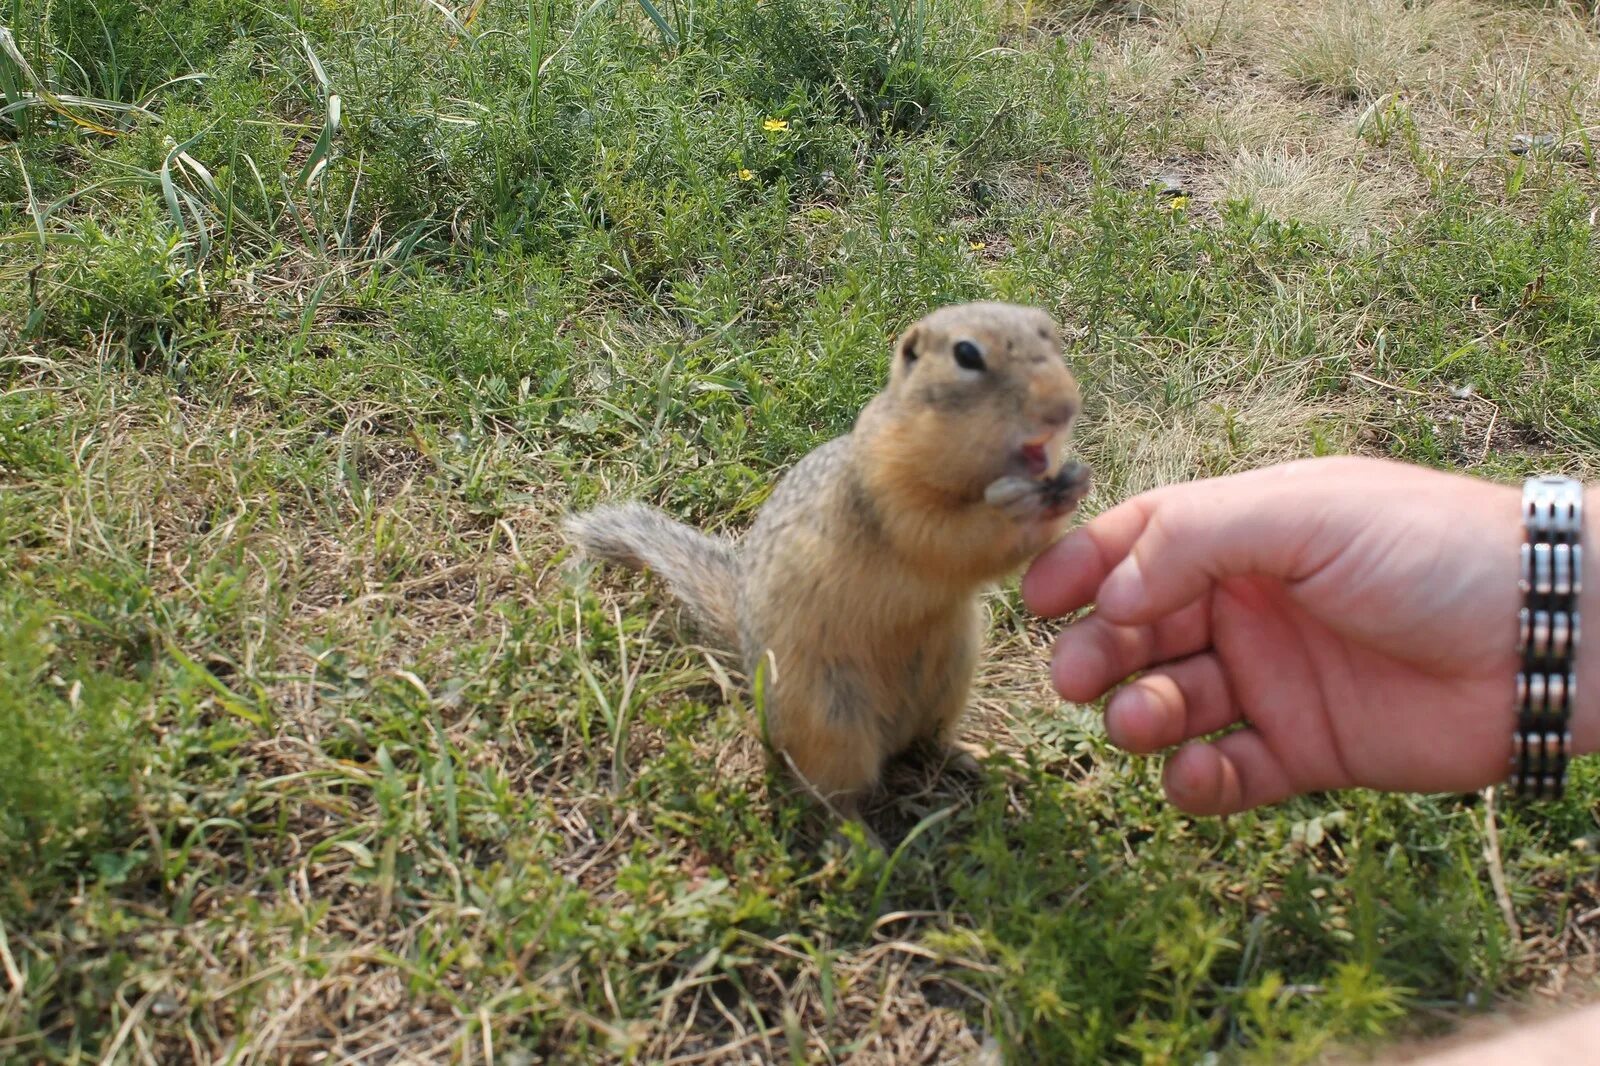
<point x="857" y="586"/>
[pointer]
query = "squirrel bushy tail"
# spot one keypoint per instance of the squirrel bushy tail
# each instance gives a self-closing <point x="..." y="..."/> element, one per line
<point x="699" y="569"/>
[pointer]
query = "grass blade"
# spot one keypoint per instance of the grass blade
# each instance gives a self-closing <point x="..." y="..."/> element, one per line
<point x="18" y="72"/>
<point x="323" y="149"/>
<point x="33" y="205"/>
<point x="667" y="32"/>
<point x="229" y="700"/>
<point x="177" y="199"/>
<point x="456" y="25"/>
<point x="149" y="97"/>
<point x="927" y="823"/>
<point x="577" y="25"/>
<point x="308" y="316"/>
<point x="316" y="64"/>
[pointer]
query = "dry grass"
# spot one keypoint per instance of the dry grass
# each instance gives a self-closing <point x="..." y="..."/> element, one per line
<point x="1338" y="102"/>
<point x="1360" y="49"/>
<point x="1309" y="188"/>
<point x="403" y="786"/>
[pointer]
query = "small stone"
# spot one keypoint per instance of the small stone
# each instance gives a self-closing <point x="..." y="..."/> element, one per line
<point x="1523" y="143"/>
<point x="1168" y="186"/>
<point x="989" y="1054"/>
<point x="1549" y="144"/>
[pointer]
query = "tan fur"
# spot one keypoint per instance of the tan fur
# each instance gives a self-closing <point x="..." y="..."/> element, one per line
<point x="857" y="585"/>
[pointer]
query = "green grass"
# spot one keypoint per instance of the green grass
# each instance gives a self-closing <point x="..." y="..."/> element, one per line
<point x="309" y="736"/>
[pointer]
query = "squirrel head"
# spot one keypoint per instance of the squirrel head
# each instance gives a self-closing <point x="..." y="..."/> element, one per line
<point x="976" y="392"/>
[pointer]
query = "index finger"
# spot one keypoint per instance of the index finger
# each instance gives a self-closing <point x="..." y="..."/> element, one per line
<point x="1161" y="550"/>
<point x="1068" y="574"/>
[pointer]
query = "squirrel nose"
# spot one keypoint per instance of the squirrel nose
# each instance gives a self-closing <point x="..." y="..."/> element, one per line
<point x="1057" y="413"/>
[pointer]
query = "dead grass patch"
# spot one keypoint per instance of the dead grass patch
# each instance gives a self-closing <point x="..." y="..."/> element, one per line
<point x="1341" y="102"/>
<point x="1289" y="185"/>
<point x="1360" y="49"/>
<point x="1265" y="423"/>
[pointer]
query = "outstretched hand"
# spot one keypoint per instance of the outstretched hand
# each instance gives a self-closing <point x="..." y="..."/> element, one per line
<point x="1356" y="617"/>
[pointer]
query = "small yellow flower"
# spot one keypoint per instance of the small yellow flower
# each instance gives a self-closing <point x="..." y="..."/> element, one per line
<point x="976" y="246"/>
<point x="1177" y="203"/>
<point x="775" y="125"/>
<point x="745" y="175"/>
<point x="940" y="238"/>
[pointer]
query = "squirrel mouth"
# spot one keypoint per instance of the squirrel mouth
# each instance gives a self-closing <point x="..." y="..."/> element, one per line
<point x="1035" y="458"/>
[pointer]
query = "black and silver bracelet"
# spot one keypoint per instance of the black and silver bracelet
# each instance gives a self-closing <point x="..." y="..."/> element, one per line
<point x="1552" y="577"/>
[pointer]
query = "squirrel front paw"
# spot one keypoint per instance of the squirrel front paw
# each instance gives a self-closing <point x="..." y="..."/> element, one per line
<point x="1048" y="497"/>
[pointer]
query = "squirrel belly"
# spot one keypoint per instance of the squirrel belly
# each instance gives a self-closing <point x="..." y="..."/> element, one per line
<point x="864" y="652"/>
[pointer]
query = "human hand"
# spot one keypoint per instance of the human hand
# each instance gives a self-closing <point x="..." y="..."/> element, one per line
<point x="1356" y="616"/>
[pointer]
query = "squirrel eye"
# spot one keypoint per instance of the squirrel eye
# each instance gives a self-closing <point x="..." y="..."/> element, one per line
<point x="968" y="355"/>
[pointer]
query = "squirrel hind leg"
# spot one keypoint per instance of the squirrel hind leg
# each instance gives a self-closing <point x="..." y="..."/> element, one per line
<point x="839" y="769"/>
<point x="839" y="785"/>
<point x="963" y="756"/>
<point x="938" y="680"/>
<point x="829" y="738"/>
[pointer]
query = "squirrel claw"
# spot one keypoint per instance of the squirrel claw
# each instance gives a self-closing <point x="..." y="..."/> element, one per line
<point x="847" y="812"/>
<point x="968" y="758"/>
<point x="1068" y="487"/>
<point x="868" y="834"/>
<point x="965" y="757"/>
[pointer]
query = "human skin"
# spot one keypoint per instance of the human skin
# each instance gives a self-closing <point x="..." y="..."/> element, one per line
<point x="1560" y="1040"/>
<point x="1358" y="617"/>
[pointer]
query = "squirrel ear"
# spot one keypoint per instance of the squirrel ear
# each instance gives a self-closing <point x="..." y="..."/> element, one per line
<point x="906" y="349"/>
